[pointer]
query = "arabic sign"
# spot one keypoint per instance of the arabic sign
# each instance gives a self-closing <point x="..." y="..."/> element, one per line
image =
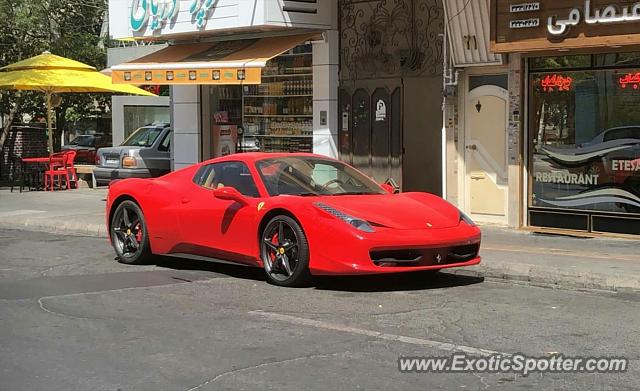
<point x="381" y="111"/>
<point x="630" y="79"/>
<point x="525" y="7"/>
<point x="524" y="23"/>
<point x="563" y="24"/>
<point x="608" y="14"/>
<point x="554" y="82"/>
<point x="159" y="12"/>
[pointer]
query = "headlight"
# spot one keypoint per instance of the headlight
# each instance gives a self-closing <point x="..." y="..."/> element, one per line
<point x="129" y="161"/>
<point x="466" y="219"/>
<point x="355" y="222"/>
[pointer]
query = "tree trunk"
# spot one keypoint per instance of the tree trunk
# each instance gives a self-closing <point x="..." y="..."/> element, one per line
<point x="61" y="122"/>
<point x="7" y="125"/>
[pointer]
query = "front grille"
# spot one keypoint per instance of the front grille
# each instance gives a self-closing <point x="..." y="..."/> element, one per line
<point x="424" y="256"/>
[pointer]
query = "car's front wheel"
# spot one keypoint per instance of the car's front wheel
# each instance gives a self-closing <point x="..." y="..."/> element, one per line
<point x="285" y="252"/>
<point x="129" y="234"/>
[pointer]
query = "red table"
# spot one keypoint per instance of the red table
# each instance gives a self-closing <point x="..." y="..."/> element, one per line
<point x="40" y="160"/>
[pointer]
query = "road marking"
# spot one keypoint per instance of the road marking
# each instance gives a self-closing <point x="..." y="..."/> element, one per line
<point x="449" y="347"/>
<point x="559" y="251"/>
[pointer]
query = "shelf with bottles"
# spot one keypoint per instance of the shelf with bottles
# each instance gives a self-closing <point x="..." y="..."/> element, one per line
<point x="229" y="92"/>
<point x="283" y="135"/>
<point x="280" y="88"/>
<point x="301" y="107"/>
<point x="289" y="144"/>
<point x="295" y="61"/>
<point x="279" y="127"/>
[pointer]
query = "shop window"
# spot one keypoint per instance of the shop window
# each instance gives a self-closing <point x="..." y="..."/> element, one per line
<point x="275" y="116"/>
<point x="559" y="62"/>
<point x="617" y="59"/>
<point x="584" y="142"/>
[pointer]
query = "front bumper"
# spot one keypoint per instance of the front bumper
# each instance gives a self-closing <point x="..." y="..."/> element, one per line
<point x="104" y="175"/>
<point x="357" y="250"/>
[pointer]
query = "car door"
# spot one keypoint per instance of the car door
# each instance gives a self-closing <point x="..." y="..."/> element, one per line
<point x="221" y="228"/>
<point x="157" y="158"/>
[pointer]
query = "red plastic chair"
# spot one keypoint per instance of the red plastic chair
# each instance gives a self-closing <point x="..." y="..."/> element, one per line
<point x="60" y="166"/>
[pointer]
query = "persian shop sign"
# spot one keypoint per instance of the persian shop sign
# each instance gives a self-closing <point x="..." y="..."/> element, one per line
<point x="563" y="24"/>
<point x="608" y="14"/>
<point x="156" y="13"/>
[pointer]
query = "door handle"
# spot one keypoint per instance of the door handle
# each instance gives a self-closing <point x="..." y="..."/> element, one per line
<point x="185" y="200"/>
<point x="472" y="147"/>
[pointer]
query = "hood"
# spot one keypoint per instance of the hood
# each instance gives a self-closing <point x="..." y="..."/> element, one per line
<point x="399" y="211"/>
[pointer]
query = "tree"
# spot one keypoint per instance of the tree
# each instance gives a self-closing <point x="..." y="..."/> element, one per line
<point x="68" y="28"/>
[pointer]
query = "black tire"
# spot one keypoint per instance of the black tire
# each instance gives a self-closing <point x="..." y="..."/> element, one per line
<point x="129" y="235"/>
<point x="292" y="245"/>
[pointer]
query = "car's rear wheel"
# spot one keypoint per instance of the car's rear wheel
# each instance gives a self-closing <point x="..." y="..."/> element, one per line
<point x="285" y="252"/>
<point x="129" y="234"/>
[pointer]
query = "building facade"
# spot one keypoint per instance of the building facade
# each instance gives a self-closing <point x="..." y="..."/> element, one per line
<point x="359" y="81"/>
<point x="544" y="129"/>
<point x="390" y="97"/>
<point x="241" y="72"/>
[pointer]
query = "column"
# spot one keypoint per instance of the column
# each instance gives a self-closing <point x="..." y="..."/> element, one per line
<point x="325" y="95"/>
<point x="516" y="201"/>
<point x="186" y="122"/>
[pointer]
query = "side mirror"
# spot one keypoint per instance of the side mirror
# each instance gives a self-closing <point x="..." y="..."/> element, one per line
<point x="388" y="188"/>
<point x="229" y="193"/>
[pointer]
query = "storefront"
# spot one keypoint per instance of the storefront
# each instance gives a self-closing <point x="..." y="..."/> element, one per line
<point x="245" y="75"/>
<point x="580" y="100"/>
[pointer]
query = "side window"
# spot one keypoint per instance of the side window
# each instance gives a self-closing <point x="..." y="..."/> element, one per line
<point x="165" y="145"/>
<point x="232" y="174"/>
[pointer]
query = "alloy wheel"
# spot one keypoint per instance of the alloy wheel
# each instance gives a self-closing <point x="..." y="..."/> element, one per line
<point x="128" y="231"/>
<point x="279" y="249"/>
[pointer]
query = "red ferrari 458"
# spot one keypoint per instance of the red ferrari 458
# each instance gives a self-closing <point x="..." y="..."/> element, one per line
<point x="296" y="215"/>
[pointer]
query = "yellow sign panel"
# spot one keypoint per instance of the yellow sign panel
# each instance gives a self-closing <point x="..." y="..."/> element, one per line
<point x="223" y="76"/>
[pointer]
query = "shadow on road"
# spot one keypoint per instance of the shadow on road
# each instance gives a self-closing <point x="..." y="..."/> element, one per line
<point x="231" y="270"/>
<point x="395" y="282"/>
<point x="376" y="283"/>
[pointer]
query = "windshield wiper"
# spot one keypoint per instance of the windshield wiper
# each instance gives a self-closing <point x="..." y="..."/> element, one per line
<point x="307" y="194"/>
<point x="354" y="193"/>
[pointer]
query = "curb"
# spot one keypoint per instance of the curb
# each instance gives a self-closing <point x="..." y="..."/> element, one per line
<point x="63" y="228"/>
<point x="549" y="277"/>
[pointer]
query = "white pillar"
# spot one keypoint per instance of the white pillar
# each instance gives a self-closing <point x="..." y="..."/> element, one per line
<point x="186" y="123"/>
<point x="325" y="94"/>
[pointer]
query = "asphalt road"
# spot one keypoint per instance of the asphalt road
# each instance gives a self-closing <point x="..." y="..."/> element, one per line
<point x="71" y="318"/>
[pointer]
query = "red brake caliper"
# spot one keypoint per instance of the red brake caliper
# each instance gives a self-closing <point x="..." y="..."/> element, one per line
<point x="275" y="242"/>
<point x="138" y="233"/>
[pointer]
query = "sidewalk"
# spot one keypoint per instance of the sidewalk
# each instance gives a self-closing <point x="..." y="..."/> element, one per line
<point x="607" y="264"/>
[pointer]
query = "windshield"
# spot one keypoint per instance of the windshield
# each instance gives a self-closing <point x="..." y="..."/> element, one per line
<point x="83" y="141"/>
<point x="313" y="176"/>
<point x="143" y="137"/>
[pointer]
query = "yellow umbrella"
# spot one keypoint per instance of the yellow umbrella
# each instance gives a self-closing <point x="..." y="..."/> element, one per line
<point x="53" y="74"/>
